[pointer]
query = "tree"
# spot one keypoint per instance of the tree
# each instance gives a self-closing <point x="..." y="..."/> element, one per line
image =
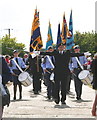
<point x="87" y="41"/>
<point x="10" y="44"/>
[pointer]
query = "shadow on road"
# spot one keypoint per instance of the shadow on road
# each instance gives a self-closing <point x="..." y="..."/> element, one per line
<point x="79" y="101"/>
<point x="19" y="100"/>
<point x="61" y="106"/>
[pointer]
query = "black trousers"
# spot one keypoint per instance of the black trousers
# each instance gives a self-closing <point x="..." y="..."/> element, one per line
<point x="69" y="82"/>
<point x="49" y="83"/>
<point x="16" y="83"/>
<point x="36" y="82"/>
<point x="60" y="85"/>
<point x="77" y="83"/>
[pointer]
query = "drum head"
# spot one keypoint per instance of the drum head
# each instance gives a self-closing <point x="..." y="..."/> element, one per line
<point x="83" y="74"/>
<point x="23" y="76"/>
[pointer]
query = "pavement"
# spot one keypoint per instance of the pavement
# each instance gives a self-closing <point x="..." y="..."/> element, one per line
<point x="38" y="107"/>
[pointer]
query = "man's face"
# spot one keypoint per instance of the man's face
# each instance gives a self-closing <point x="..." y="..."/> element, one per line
<point x="16" y="54"/>
<point x="61" y="47"/>
<point x="77" y="50"/>
<point x="50" y="50"/>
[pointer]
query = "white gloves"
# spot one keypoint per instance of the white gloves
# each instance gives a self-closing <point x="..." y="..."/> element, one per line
<point x="87" y="53"/>
<point x="35" y="53"/>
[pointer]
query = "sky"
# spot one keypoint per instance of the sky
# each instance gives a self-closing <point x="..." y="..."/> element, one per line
<point x="18" y="16"/>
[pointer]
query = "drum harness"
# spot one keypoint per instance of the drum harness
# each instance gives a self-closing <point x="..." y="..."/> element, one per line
<point x="19" y="66"/>
<point x="52" y="74"/>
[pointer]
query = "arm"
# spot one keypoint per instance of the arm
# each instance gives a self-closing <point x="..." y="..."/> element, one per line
<point x="76" y="54"/>
<point x="94" y="106"/>
<point x="48" y="53"/>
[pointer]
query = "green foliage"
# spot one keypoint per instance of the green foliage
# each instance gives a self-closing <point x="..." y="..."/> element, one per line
<point x="8" y="45"/>
<point x="87" y="41"/>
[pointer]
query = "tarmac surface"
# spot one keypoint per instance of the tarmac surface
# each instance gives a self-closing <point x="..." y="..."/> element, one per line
<point x="39" y="107"/>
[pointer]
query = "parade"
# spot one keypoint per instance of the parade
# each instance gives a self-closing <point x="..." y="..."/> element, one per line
<point x="58" y="81"/>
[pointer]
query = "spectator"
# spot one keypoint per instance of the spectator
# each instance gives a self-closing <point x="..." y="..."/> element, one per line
<point x="94" y="71"/>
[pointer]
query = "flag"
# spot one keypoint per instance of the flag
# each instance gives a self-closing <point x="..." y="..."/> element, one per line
<point x="49" y="41"/>
<point x="36" y="40"/>
<point x="70" y="37"/>
<point x="58" y="36"/>
<point x="64" y="30"/>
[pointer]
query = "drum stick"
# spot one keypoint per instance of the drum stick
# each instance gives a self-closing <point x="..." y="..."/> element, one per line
<point x="48" y="71"/>
<point x="74" y="74"/>
<point x="26" y="68"/>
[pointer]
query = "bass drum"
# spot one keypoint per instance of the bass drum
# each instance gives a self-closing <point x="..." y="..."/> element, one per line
<point x="86" y="77"/>
<point x="25" y="79"/>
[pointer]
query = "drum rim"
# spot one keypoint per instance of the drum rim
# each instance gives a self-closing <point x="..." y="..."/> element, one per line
<point x="82" y="77"/>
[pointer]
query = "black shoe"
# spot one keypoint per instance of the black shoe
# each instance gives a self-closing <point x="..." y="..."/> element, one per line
<point x="36" y="92"/>
<point x="63" y="103"/>
<point x="14" y="98"/>
<point x="20" y="97"/>
<point x="49" y="97"/>
<point x="78" y="98"/>
<point x="56" y="101"/>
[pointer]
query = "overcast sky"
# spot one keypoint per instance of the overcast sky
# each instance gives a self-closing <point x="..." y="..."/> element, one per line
<point x="18" y="15"/>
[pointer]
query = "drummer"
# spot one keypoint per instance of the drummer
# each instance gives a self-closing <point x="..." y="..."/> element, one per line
<point x="15" y="72"/>
<point x="76" y="69"/>
<point x="48" y="66"/>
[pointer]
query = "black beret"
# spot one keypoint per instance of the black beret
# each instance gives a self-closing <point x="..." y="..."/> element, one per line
<point x="50" y="47"/>
<point x="15" y="51"/>
<point x="76" y="47"/>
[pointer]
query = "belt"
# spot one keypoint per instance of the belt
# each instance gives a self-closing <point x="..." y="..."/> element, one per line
<point x="15" y="69"/>
<point x="49" y="68"/>
<point x="77" y="68"/>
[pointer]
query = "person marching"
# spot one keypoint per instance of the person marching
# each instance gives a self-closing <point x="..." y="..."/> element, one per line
<point x="15" y="72"/>
<point x="35" y="70"/>
<point x="61" y="70"/>
<point x="76" y="69"/>
<point x="48" y="67"/>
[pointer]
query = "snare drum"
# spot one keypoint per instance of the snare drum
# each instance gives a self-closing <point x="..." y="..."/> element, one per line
<point x="86" y="77"/>
<point x="25" y="79"/>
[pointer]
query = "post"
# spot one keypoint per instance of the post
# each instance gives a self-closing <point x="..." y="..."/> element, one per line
<point x="9" y="32"/>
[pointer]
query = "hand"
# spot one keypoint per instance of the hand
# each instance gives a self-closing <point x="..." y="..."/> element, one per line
<point x="14" y="74"/>
<point x="87" y="53"/>
<point x="72" y="71"/>
<point x="33" y="55"/>
<point x="36" y="52"/>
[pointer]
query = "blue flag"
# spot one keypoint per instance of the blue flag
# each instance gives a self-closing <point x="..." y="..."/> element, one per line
<point x="64" y="30"/>
<point x="70" y="37"/>
<point x="49" y="41"/>
<point x="36" y="40"/>
<point x="58" y="36"/>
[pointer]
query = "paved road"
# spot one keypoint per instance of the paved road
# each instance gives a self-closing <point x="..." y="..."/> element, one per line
<point x="37" y="106"/>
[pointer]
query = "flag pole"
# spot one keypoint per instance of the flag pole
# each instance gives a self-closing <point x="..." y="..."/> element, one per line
<point x="37" y="61"/>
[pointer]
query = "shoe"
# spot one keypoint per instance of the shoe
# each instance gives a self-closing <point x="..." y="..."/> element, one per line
<point x="49" y="97"/>
<point x="56" y="101"/>
<point x="14" y="98"/>
<point x="78" y="98"/>
<point x="20" y="97"/>
<point x="36" y="92"/>
<point x="63" y="103"/>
